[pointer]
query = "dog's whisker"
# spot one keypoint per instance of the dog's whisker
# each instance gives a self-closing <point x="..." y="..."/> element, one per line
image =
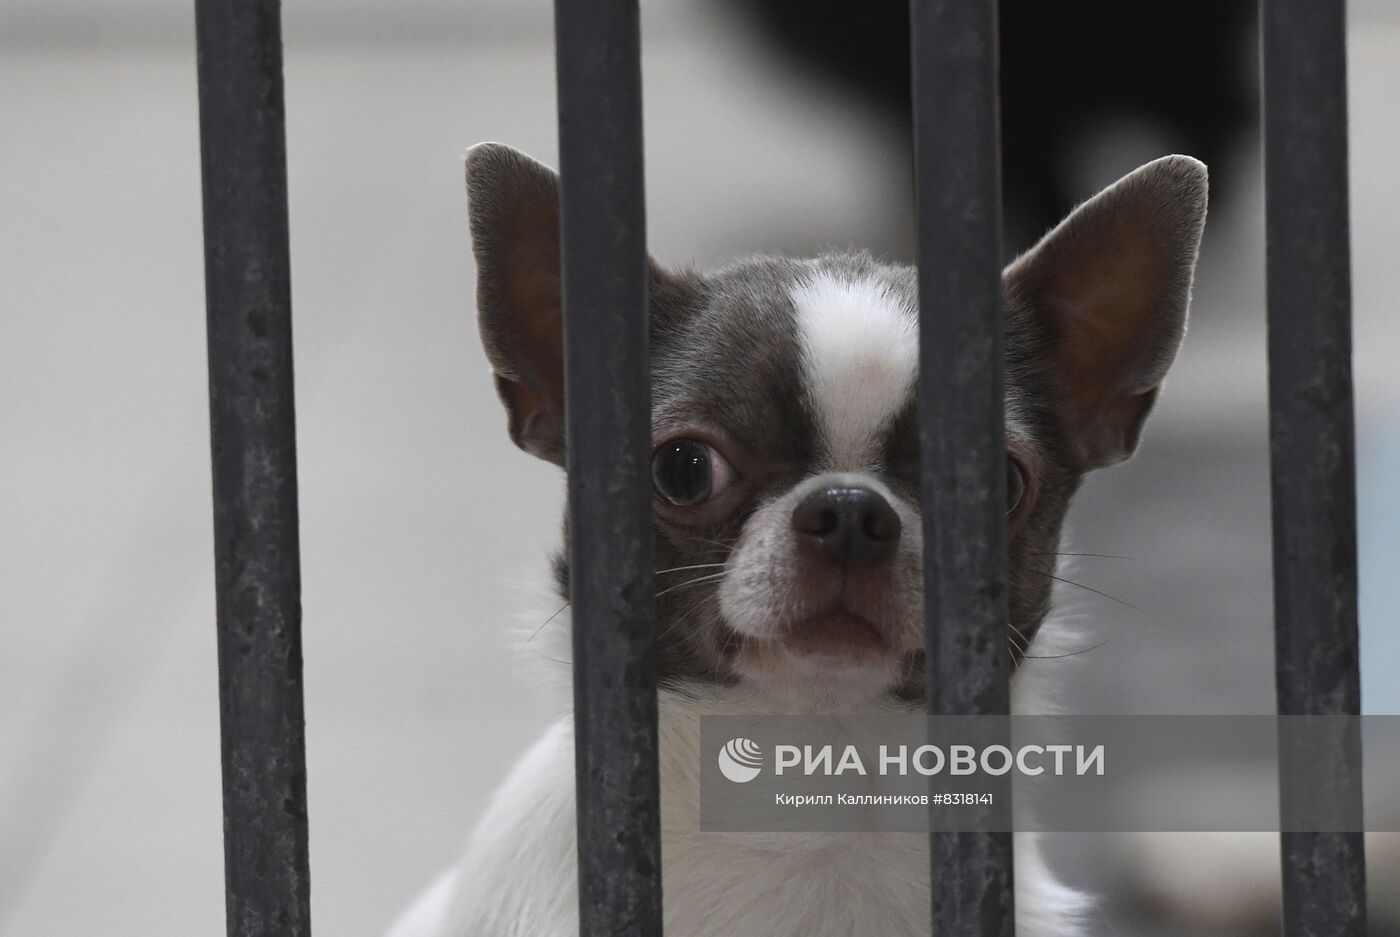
<point x="1084" y="650"/>
<point x="696" y="647"/>
<point x="713" y="543"/>
<point x="1071" y="582"/>
<point x="684" y="617"/>
<point x="677" y="569"/>
<point x="1024" y="638"/>
<point x="697" y="581"/>
<point x="1102" y="556"/>
<point x="545" y="624"/>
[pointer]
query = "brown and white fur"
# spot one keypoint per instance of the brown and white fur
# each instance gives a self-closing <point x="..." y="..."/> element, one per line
<point x="787" y="527"/>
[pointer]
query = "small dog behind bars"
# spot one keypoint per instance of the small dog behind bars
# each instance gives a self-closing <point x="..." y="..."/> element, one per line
<point x="788" y="560"/>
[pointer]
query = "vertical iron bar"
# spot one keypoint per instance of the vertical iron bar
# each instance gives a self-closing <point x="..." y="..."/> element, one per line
<point x="1311" y="436"/>
<point x="957" y="166"/>
<point x="253" y="437"/>
<point x="603" y="246"/>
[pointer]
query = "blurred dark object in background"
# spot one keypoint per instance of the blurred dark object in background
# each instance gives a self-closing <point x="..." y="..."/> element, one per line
<point x="1068" y="68"/>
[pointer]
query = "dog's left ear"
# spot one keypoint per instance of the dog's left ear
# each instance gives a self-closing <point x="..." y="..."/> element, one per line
<point x="1109" y="287"/>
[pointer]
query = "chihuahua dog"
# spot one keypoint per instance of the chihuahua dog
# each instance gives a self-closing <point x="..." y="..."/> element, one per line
<point x="787" y="528"/>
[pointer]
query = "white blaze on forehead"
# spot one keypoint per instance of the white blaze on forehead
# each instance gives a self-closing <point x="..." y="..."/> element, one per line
<point x="860" y="358"/>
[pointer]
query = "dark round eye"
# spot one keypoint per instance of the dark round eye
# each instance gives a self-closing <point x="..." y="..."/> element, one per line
<point x="1015" y="484"/>
<point x="688" y="472"/>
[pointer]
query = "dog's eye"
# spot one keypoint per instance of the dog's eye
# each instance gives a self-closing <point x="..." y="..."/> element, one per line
<point x="1015" y="484"/>
<point x="688" y="472"/>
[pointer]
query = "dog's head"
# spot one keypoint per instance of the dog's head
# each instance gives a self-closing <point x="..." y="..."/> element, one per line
<point x="785" y="429"/>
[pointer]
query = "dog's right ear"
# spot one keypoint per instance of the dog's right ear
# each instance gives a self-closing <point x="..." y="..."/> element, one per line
<point x="513" y="202"/>
<point x="1110" y="286"/>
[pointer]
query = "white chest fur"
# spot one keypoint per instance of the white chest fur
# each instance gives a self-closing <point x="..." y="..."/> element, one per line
<point x="518" y="876"/>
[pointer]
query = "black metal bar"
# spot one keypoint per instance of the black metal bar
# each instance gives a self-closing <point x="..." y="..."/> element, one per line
<point x="1311" y="434"/>
<point x="957" y="159"/>
<point x="603" y="237"/>
<point x="252" y="428"/>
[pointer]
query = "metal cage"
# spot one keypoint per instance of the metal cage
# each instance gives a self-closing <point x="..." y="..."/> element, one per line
<point x="954" y="53"/>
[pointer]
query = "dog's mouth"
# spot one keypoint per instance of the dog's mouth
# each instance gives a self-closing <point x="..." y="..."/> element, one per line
<point x="839" y="640"/>
<point x="845" y="625"/>
<point x="835" y="631"/>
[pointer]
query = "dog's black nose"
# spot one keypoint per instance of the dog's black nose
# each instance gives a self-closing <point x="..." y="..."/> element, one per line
<point x="854" y="526"/>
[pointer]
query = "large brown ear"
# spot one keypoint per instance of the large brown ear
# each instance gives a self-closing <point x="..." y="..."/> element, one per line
<point x="1110" y="286"/>
<point x="513" y="202"/>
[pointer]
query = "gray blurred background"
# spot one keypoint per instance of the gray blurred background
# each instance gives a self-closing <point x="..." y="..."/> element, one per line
<point x="422" y="526"/>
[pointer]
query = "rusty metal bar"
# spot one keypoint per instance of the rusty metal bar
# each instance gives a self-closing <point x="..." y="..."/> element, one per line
<point x="958" y="169"/>
<point x="603" y="238"/>
<point x="1312" y="455"/>
<point x="253" y="436"/>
